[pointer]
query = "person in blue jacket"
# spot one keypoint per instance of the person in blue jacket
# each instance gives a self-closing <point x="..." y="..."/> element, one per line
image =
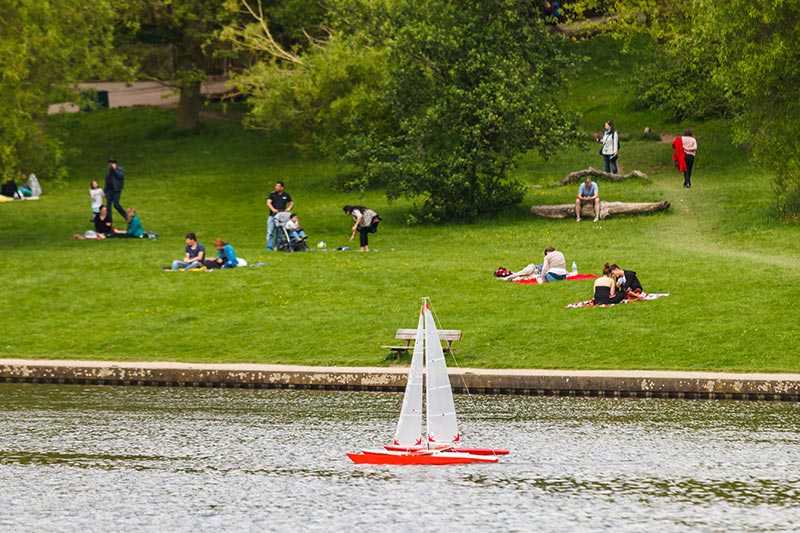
<point x="226" y="256"/>
<point x="115" y="182"/>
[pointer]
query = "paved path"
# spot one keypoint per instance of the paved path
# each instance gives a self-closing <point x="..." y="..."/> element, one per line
<point x="138" y="93"/>
<point x="637" y="383"/>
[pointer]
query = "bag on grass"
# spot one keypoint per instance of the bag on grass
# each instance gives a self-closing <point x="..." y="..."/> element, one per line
<point x="502" y="272"/>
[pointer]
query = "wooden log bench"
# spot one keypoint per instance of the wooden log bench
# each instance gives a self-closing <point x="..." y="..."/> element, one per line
<point x="578" y="175"/>
<point x="448" y="336"/>
<point x="606" y="209"/>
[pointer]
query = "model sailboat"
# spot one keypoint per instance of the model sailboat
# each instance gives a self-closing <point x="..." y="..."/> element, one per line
<point x="441" y="443"/>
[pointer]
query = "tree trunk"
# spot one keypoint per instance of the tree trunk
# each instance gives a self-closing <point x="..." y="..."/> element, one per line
<point x="606" y="209"/>
<point x="188" y="114"/>
<point x="574" y="177"/>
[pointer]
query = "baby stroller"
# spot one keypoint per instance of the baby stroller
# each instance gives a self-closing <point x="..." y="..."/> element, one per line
<point x="283" y="242"/>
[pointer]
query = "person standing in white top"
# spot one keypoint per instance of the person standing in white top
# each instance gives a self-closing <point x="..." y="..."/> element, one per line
<point x="689" y="152"/>
<point x="610" y="149"/>
<point x="97" y="196"/>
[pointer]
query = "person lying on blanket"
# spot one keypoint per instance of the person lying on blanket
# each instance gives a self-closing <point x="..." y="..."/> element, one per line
<point x="627" y="281"/>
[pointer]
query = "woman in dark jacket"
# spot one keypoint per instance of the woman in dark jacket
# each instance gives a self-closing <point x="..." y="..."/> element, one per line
<point x="627" y="281"/>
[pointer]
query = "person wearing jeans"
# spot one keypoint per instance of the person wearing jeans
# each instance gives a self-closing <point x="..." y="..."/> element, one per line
<point x="194" y="256"/>
<point x="610" y="149"/>
<point x="554" y="267"/>
<point x="277" y="201"/>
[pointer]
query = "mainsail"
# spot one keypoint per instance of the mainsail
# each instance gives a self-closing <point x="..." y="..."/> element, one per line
<point x="409" y="426"/>
<point x="441" y="410"/>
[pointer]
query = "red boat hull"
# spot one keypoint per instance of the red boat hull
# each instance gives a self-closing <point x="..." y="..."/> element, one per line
<point x="473" y="451"/>
<point x="386" y="457"/>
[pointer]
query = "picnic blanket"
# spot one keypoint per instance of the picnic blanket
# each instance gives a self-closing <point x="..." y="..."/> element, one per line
<point x="570" y="277"/>
<point x="4" y="199"/>
<point x="646" y="297"/>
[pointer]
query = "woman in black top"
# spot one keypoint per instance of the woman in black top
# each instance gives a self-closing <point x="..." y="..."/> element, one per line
<point x="365" y="221"/>
<point x="102" y="224"/>
<point x="605" y="289"/>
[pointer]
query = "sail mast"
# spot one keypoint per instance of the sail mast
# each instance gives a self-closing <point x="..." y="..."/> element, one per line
<point x="442" y="425"/>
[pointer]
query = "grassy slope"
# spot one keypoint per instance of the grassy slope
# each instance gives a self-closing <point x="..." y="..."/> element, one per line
<point x="732" y="271"/>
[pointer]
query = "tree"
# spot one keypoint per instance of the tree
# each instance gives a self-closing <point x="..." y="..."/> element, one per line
<point x="177" y="42"/>
<point x="746" y="55"/>
<point x="432" y="99"/>
<point x="45" y="48"/>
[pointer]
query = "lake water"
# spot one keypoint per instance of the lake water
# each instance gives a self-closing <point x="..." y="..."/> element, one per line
<point x="173" y="459"/>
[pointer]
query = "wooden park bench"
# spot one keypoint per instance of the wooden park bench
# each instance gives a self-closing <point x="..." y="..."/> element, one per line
<point x="449" y="336"/>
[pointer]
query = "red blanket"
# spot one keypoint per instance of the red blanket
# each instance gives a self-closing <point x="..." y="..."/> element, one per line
<point x="678" y="155"/>
<point x="570" y="277"/>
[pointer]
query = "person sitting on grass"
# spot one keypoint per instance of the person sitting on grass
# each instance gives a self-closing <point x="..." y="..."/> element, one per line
<point x="554" y="267"/>
<point x="226" y="256"/>
<point x="135" y="229"/>
<point x="102" y="227"/>
<point x="605" y="289"/>
<point x="194" y="256"/>
<point x="10" y="189"/>
<point x="294" y="228"/>
<point x="627" y="282"/>
<point x="588" y="192"/>
<point x="102" y="224"/>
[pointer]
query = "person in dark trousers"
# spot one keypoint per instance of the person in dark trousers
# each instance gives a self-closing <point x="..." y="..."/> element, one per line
<point x="627" y="282"/>
<point x="115" y="181"/>
<point x="365" y="221"/>
<point x="610" y="148"/>
<point x="277" y="201"/>
<point x="689" y="152"/>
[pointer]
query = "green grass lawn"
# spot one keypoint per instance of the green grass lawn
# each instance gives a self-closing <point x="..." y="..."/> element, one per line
<point x="733" y="270"/>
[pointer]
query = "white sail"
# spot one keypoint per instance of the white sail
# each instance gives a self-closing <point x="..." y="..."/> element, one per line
<point x="441" y="410"/>
<point x="409" y="427"/>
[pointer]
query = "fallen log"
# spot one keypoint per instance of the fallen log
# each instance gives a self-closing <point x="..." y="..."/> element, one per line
<point x="575" y="177"/>
<point x="606" y="209"/>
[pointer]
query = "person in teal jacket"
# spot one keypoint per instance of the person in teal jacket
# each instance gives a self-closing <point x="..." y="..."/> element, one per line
<point x="135" y="229"/>
<point x="226" y="256"/>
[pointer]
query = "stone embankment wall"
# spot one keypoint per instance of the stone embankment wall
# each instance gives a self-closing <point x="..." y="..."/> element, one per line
<point x="640" y="384"/>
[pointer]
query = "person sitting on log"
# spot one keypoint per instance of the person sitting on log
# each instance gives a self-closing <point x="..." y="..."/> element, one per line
<point x="588" y="192"/>
<point x="627" y="281"/>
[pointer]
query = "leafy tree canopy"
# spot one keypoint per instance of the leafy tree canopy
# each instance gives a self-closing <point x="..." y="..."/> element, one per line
<point x="433" y="99"/>
<point x="46" y="47"/>
<point x="733" y="57"/>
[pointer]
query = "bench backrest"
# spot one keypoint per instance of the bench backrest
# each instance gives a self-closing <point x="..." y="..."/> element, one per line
<point x="449" y="335"/>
